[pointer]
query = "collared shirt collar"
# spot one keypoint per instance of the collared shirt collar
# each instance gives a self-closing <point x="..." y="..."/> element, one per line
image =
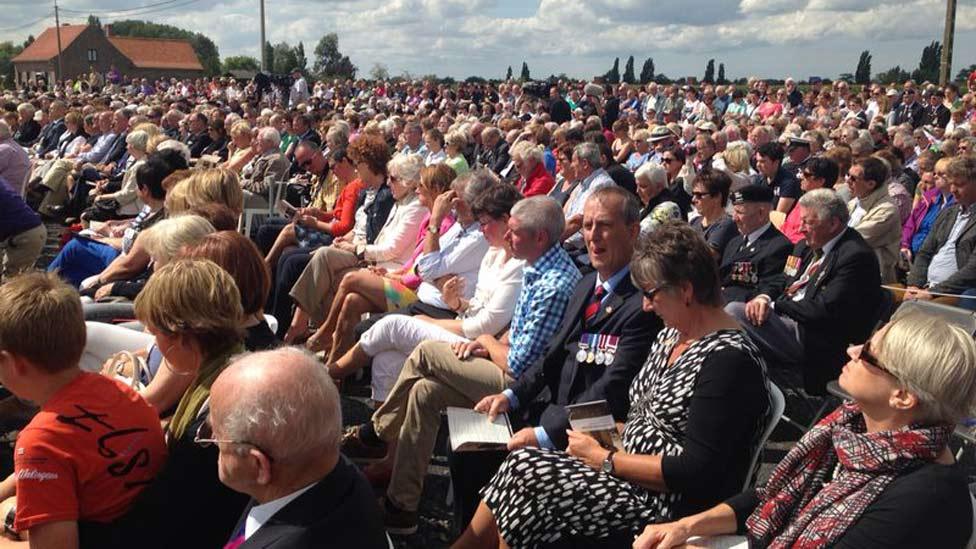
<point x="610" y="284"/>
<point x="832" y="243"/>
<point x="754" y="235"/>
<point x="258" y="515"/>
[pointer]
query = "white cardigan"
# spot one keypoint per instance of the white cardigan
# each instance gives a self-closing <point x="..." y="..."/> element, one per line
<point x="397" y="239"/>
<point x="499" y="285"/>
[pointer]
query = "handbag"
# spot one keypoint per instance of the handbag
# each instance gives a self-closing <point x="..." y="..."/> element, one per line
<point x="128" y="368"/>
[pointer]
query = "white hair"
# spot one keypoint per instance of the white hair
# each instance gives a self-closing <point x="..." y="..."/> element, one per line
<point x="165" y="240"/>
<point x="270" y="136"/>
<point x="177" y="146"/>
<point x="526" y="150"/>
<point x="541" y="213"/>
<point x="654" y="173"/>
<point x="138" y="139"/>
<point x="406" y="168"/>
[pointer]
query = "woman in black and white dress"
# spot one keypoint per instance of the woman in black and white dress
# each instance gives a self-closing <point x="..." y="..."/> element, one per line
<point x="698" y="409"/>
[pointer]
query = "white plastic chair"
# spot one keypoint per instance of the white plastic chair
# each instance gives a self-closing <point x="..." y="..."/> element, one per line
<point x="275" y="189"/>
<point x="779" y="405"/>
<point x="272" y="323"/>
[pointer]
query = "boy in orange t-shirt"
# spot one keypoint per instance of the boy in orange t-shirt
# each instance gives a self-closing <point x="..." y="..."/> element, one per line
<point x="94" y="445"/>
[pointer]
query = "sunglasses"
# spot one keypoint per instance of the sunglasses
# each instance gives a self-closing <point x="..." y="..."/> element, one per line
<point x="650" y="294"/>
<point x="867" y="357"/>
<point x="700" y="195"/>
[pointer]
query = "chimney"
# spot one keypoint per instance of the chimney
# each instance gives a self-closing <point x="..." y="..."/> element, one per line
<point x="108" y="30"/>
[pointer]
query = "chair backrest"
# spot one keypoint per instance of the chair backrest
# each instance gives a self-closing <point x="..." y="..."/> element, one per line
<point x="953" y="315"/>
<point x="778" y="402"/>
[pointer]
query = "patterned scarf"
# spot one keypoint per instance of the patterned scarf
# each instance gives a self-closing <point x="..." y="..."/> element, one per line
<point x="802" y="507"/>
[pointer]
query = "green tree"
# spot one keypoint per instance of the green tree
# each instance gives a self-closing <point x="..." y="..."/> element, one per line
<point x="525" y="76"/>
<point x="301" y="62"/>
<point x="94" y="21"/>
<point x="894" y="75"/>
<point x="7" y="52"/>
<point x="845" y="76"/>
<point x="662" y="79"/>
<point x="329" y="61"/>
<point x="379" y="72"/>
<point x="284" y="58"/>
<point x="709" y="71"/>
<point x="29" y="41"/>
<point x="613" y="75"/>
<point x="629" y="71"/>
<point x="721" y="74"/>
<point x="508" y="75"/>
<point x="862" y="74"/>
<point x="928" y="66"/>
<point x="647" y="71"/>
<point x="204" y="47"/>
<point x="241" y="63"/>
<point x="963" y="74"/>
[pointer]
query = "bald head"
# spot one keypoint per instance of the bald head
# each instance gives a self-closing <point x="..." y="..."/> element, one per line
<point x="282" y="401"/>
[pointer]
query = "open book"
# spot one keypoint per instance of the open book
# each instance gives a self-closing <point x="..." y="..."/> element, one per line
<point x="718" y="542"/>
<point x="471" y="430"/>
<point x="594" y="418"/>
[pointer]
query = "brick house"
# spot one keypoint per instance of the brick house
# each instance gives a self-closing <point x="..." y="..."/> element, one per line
<point x="84" y="47"/>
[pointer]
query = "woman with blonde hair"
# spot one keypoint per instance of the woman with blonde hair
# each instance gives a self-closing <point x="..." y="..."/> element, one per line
<point x="218" y="185"/>
<point x="240" y="151"/>
<point x="877" y="472"/>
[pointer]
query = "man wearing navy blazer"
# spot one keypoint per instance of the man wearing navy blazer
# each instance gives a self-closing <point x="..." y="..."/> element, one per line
<point x="600" y="346"/>
<point x="830" y="300"/>
<point x="276" y="419"/>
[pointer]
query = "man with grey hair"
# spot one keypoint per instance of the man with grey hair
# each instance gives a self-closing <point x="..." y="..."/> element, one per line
<point x="829" y="299"/>
<point x="494" y="150"/>
<point x="438" y="374"/>
<point x="268" y="166"/>
<point x="589" y="170"/>
<point x="277" y="423"/>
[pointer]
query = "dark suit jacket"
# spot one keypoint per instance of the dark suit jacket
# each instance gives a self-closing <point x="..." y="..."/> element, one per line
<point x="377" y="212"/>
<point x="765" y="259"/>
<point x="965" y="277"/>
<point x="339" y="511"/>
<point x="912" y="114"/>
<point x="839" y="308"/>
<point x="197" y="142"/>
<point x="50" y="135"/>
<point x="497" y="159"/>
<point x="567" y="380"/>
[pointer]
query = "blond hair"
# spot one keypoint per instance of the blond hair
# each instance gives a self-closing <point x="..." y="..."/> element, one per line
<point x="41" y="320"/>
<point x="218" y="185"/>
<point x="164" y="240"/>
<point x="936" y="361"/>
<point x="195" y="298"/>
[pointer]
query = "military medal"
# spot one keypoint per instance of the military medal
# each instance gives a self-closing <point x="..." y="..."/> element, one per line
<point x="582" y="346"/>
<point x="611" y="349"/>
<point x="600" y="355"/>
<point x="591" y="352"/>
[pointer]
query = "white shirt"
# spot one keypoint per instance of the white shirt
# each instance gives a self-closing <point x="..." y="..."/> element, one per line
<point x="830" y="245"/>
<point x="461" y="251"/>
<point x="752" y="237"/>
<point x="858" y="214"/>
<point x="260" y="514"/>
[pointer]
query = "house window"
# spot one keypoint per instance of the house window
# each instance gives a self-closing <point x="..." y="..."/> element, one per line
<point x="92" y="55"/>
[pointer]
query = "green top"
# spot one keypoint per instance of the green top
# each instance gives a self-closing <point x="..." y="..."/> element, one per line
<point x="198" y="392"/>
<point x="458" y="164"/>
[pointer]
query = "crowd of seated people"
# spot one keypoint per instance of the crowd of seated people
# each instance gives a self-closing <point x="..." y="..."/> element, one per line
<point x="671" y="251"/>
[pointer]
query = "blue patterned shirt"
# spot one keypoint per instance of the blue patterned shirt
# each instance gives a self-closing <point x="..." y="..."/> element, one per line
<point x="547" y="285"/>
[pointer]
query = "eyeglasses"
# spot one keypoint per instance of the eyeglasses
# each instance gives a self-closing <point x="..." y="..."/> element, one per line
<point x="668" y="159"/>
<point x="806" y="174"/>
<point x="651" y="293"/>
<point x="852" y="177"/>
<point x="699" y="195"/>
<point x="867" y="357"/>
<point x="204" y="438"/>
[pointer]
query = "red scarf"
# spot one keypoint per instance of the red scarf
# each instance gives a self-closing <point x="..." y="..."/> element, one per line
<point x="802" y="507"/>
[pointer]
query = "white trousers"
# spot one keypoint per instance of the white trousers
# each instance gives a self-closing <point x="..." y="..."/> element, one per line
<point x="391" y="340"/>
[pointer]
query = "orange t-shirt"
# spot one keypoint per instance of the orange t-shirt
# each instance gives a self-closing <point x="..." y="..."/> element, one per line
<point x="87" y="454"/>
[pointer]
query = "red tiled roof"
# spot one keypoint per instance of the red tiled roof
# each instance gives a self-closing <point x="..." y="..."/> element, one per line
<point x="158" y="53"/>
<point x="45" y="46"/>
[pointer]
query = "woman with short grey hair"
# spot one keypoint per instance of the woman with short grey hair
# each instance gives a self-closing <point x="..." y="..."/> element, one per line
<point x="126" y="199"/>
<point x="878" y="467"/>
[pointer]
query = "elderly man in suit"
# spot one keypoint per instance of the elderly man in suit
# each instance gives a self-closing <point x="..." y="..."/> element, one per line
<point x="268" y="166"/>
<point x="753" y="261"/>
<point x="830" y="300"/>
<point x="276" y="420"/>
<point x="946" y="263"/>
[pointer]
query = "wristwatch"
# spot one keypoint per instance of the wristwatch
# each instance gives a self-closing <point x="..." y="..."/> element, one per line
<point x="433" y="229"/>
<point x="608" y="462"/>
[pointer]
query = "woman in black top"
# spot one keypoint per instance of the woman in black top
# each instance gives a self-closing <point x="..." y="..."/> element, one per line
<point x="697" y="410"/>
<point x="710" y="195"/>
<point x="876" y="472"/>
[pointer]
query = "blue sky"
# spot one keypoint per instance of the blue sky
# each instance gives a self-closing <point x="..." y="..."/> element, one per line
<point x="769" y="38"/>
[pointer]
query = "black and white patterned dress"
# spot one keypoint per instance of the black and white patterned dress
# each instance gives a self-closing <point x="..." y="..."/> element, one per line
<point x="539" y="495"/>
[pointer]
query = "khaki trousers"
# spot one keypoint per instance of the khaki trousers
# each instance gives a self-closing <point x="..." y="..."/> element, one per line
<point x="20" y="251"/>
<point x="431" y="380"/>
<point x="317" y="285"/>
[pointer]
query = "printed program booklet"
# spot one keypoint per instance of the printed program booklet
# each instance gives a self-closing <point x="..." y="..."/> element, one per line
<point x="594" y="418"/>
<point x="471" y="431"/>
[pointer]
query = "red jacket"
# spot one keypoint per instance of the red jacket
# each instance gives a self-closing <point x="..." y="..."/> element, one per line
<point x="540" y="182"/>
